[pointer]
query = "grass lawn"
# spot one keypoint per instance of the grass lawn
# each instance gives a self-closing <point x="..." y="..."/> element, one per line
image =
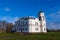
<point x="41" y="36"/>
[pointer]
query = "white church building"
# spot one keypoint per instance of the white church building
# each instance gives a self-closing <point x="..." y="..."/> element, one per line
<point x="31" y="24"/>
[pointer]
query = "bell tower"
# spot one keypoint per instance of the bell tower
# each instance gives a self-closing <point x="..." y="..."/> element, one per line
<point x="42" y="20"/>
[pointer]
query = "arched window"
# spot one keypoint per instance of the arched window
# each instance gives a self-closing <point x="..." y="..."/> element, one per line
<point x="43" y="18"/>
<point x="44" y="29"/>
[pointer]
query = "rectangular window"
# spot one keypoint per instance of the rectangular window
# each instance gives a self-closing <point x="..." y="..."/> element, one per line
<point x="36" y="29"/>
<point x="19" y="28"/>
<point x="25" y="29"/>
<point x="36" y="23"/>
<point x="21" y="23"/>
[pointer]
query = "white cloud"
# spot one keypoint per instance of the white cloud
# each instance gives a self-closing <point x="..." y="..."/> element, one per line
<point x="53" y="25"/>
<point x="54" y="15"/>
<point x="7" y="9"/>
<point x="53" y="20"/>
<point x="16" y="18"/>
<point x="9" y="19"/>
<point x="58" y="12"/>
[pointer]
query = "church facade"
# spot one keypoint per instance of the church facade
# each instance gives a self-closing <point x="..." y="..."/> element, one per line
<point x="31" y="24"/>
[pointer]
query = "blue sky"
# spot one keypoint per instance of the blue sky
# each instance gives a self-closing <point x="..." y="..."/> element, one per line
<point x="11" y="10"/>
